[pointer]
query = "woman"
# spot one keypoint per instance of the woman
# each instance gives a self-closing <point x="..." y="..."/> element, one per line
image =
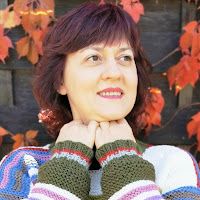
<point x="93" y="78"/>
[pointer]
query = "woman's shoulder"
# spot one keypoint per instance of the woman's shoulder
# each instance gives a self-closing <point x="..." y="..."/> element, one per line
<point x="156" y="153"/>
<point x="167" y="153"/>
<point x="19" y="169"/>
<point x="173" y="166"/>
<point x="20" y="155"/>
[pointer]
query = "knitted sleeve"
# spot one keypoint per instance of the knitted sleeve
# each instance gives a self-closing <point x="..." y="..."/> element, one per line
<point x="65" y="175"/>
<point x="129" y="174"/>
<point x="126" y="175"/>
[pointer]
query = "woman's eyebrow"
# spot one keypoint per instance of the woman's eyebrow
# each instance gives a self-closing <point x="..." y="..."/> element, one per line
<point x="125" y="48"/>
<point x="101" y="49"/>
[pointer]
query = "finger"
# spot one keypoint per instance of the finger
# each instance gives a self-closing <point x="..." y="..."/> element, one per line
<point x="113" y="123"/>
<point x="77" y="121"/>
<point x="98" y="133"/>
<point x="122" y="121"/>
<point x="97" y="137"/>
<point x="92" y="126"/>
<point x="104" y="125"/>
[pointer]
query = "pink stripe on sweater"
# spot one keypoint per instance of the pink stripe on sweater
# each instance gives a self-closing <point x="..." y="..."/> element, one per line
<point x="49" y="193"/>
<point x="12" y="165"/>
<point x="117" y="150"/>
<point x="137" y="191"/>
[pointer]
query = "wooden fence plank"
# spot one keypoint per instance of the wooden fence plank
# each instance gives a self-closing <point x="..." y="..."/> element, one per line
<point x="6" y="94"/>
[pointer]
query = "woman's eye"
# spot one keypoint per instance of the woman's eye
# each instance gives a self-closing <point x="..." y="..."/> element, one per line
<point x="93" y="58"/>
<point x="126" y="58"/>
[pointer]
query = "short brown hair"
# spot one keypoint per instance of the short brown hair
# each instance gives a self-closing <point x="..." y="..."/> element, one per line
<point x="84" y="25"/>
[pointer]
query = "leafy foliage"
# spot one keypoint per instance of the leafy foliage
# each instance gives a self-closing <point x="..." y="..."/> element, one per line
<point x="5" y="44"/>
<point x="153" y="108"/>
<point x="34" y="16"/>
<point x="193" y="128"/>
<point x="20" y="139"/>
<point x="187" y="70"/>
<point x="134" y="8"/>
<point x="8" y="18"/>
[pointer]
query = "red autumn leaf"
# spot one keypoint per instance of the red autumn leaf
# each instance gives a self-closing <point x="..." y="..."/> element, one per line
<point x="30" y="136"/>
<point x="190" y="40"/>
<point x="193" y="128"/>
<point x="22" y="46"/>
<point x="19" y="140"/>
<point x="3" y="131"/>
<point x="198" y="138"/>
<point x="190" y="27"/>
<point x="33" y="54"/>
<point x="186" y="71"/>
<point x="185" y="42"/>
<point x="195" y="44"/>
<point x="153" y="108"/>
<point x="38" y="36"/>
<point x="26" y="47"/>
<point x="35" y="13"/>
<point x="9" y="18"/>
<point x="5" y="44"/>
<point x="134" y="8"/>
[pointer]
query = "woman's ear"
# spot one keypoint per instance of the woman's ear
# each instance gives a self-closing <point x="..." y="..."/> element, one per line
<point x="62" y="90"/>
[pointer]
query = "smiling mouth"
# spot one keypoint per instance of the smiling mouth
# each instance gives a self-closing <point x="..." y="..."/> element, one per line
<point x="111" y="95"/>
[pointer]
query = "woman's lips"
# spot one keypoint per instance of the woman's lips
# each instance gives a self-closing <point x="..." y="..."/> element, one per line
<point x="111" y="93"/>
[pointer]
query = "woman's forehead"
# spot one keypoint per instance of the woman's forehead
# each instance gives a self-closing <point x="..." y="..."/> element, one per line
<point x="122" y="45"/>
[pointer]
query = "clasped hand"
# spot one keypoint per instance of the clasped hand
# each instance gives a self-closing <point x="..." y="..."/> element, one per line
<point x="98" y="133"/>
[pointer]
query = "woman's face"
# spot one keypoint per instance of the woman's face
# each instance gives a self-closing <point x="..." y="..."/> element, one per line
<point x="100" y="82"/>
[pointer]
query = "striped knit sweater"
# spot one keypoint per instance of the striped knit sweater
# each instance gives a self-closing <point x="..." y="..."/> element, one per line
<point x="128" y="171"/>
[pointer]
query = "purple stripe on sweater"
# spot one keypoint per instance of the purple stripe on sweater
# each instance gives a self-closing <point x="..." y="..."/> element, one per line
<point x="14" y="163"/>
<point x="157" y="197"/>
<point x="137" y="191"/>
<point x="49" y="193"/>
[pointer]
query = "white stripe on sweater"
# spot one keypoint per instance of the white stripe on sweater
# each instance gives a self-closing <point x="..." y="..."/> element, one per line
<point x="51" y="188"/>
<point x="71" y="157"/>
<point x="133" y="186"/>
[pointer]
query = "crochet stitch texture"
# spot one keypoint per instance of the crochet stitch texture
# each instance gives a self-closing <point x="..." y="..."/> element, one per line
<point x="128" y="171"/>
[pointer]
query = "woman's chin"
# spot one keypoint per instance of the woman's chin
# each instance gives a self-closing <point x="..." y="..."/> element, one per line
<point x="110" y="117"/>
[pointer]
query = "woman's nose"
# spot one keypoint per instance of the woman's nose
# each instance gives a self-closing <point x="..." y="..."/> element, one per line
<point x="111" y="70"/>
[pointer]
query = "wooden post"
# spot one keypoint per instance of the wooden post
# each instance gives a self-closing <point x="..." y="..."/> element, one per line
<point x="188" y="14"/>
<point x="6" y="91"/>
